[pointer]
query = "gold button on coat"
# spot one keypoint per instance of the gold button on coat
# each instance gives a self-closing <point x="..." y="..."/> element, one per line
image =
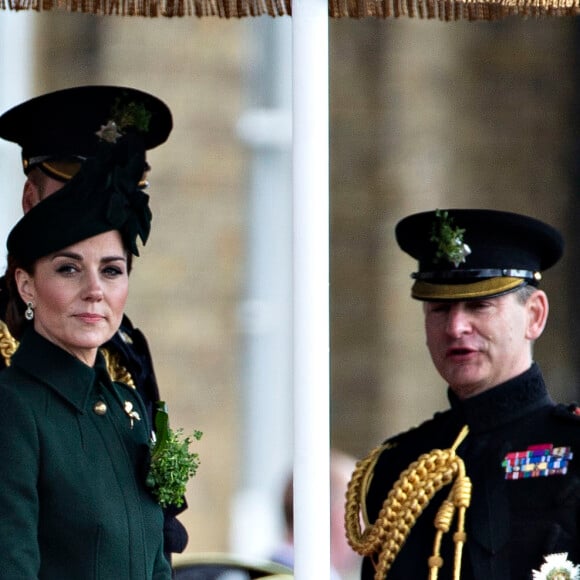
<point x="100" y="408"/>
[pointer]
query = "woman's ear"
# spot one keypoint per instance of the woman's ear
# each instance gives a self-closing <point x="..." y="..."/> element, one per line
<point x="25" y="284"/>
<point x="537" y="308"/>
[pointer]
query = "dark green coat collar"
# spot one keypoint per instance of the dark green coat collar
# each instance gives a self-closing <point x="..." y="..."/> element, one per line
<point x="61" y="371"/>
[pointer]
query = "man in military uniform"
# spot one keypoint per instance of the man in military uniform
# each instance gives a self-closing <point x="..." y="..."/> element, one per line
<point x="58" y="131"/>
<point x="489" y="489"/>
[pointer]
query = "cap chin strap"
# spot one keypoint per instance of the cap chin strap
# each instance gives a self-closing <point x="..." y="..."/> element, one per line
<point x="409" y="496"/>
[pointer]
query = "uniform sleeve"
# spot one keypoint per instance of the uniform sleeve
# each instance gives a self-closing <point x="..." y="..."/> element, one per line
<point x="174" y="531"/>
<point x="19" y="505"/>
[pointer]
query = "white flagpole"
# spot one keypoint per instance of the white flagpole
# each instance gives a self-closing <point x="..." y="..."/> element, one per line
<point x="311" y="289"/>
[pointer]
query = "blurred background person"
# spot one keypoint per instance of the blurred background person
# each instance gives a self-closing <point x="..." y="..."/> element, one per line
<point x="345" y="564"/>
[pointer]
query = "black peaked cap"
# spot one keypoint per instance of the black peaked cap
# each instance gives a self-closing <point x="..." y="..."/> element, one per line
<point x="64" y="123"/>
<point x="497" y="251"/>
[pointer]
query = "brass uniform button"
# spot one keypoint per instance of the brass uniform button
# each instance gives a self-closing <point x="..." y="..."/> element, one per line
<point x="100" y="408"/>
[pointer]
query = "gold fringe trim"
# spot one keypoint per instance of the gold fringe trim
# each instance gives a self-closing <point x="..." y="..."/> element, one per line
<point x="405" y="502"/>
<point x="447" y="10"/>
<point x="155" y="8"/>
<point x="452" y="10"/>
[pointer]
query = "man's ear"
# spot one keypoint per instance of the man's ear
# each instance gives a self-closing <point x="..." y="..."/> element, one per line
<point x="537" y="308"/>
<point x="30" y="196"/>
<point x="25" y="284"/>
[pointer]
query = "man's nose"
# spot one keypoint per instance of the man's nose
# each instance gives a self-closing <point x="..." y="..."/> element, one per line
<point x="458" y="322"/>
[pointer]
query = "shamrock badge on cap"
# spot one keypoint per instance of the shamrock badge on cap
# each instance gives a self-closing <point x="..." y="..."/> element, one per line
<point x="449" y="239"/>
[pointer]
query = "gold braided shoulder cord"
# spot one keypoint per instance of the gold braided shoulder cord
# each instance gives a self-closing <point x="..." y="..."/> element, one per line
<point x="116" y="370"/>
<point x="8" y="344"/>
<point x="407" y="499"/>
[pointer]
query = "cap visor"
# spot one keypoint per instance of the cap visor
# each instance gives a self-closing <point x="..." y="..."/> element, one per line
<point x="487" y="288"/>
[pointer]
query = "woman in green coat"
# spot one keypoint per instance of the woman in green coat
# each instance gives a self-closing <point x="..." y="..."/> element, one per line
<point x="74" y="504"/>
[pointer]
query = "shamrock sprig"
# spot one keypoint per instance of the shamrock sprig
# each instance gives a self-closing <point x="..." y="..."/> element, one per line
<point x="449" y="239"/>
<point x="172" y="463"/>
<point x="131" y="114"/>
<point x="123" y="116"/>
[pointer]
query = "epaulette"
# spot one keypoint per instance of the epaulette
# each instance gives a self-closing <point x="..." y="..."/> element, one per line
<point x="571" y="411"/>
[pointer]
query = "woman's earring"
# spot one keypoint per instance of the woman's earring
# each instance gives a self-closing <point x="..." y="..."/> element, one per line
<point x="29" y="312"/>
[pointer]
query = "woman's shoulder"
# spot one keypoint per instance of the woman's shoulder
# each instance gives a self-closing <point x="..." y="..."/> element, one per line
<point x="22" y="402"/>
<point x="17" y="384"/>
<point x="9" y="376"/>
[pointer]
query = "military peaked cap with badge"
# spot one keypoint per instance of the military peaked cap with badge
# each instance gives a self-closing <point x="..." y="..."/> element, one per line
<point x="58" y="131"/>
<point x="474" y="253"/>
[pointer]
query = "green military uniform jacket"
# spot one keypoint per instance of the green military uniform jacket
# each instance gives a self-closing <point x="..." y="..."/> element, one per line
<point x="521" y="510"/>
<point x="73" y="499"/>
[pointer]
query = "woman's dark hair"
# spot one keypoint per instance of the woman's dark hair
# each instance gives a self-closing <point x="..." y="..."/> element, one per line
<point x="15" y="319"/>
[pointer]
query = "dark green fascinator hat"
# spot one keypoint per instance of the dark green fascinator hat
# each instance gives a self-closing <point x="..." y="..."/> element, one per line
<point x="104" y="195"/>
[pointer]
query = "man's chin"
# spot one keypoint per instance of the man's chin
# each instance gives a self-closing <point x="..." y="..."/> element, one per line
<point x="468" y="390"/>
<point x="466" y="382"/>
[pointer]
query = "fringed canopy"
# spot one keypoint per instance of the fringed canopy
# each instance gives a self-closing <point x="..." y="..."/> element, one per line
<point x="440" y="9"/>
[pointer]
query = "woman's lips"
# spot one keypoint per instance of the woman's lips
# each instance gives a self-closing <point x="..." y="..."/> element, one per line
<point x="88" y="317"/>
